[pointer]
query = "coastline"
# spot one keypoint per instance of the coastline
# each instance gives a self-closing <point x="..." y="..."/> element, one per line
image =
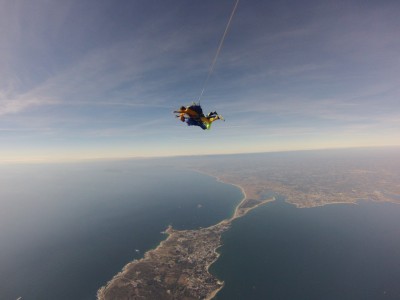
<point x="192" y="252"/>
<point x="125" y="268"/>
<point x="242" y="189"/>
<point x="219" y="179"/>
<point x="300" y="206"/>
<point x="127" y="280"/>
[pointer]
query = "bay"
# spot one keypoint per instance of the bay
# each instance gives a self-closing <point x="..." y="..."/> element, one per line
<point x="67" y="229"/>
<point x="338" y="251"/>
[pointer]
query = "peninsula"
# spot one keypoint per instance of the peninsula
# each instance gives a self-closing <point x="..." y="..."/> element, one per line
<point x="178" y="267"/>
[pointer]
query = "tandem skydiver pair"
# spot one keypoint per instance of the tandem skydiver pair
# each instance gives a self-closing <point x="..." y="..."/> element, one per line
<point x="194" y="116"/>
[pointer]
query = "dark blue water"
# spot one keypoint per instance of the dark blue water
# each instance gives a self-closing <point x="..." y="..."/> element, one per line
<point x="68" y="229"/>
<point x="332" y="252"/>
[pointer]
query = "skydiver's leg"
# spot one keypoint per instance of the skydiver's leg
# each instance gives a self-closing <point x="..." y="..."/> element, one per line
<point x="193" y="122"/>
<point x="189" y="122"/>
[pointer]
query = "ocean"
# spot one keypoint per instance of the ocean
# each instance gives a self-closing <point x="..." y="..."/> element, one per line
<point x="338" y="251"/>
<point x="66" y="229"/>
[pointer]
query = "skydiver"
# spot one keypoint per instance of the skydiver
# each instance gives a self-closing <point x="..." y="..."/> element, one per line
<point x="193" y="115"/>
<point x="212" y="114"/>
<point x="211" y="117"/>
<point x="193" y="111"/>
<point x="196" y="122"/>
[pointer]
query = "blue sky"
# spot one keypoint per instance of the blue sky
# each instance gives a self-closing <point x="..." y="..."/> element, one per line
<point x="98" y="79"/>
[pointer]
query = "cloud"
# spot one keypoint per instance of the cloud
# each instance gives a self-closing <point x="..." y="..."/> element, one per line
<point x="141" y="70"/>
<point x="116" y="72"/>
<point x="14" y="104"/>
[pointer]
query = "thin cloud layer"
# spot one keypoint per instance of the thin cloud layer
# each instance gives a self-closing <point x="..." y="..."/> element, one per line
<point x="112" y="73"/>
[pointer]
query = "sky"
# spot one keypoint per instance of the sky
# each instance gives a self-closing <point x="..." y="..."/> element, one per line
<point x="101" y="78"/>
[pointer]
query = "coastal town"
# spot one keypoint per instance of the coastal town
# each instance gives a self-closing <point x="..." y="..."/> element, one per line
<point x="177" y="269"/>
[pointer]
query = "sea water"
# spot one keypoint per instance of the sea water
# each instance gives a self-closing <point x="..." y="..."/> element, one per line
<point x="338" y="251"/>
<point x="67" y="229"/>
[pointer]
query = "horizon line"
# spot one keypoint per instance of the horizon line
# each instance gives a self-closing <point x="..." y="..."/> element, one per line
<point x="141" y="157"/>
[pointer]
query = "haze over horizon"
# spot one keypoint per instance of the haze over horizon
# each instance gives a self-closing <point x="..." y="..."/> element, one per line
<point x="100" y="79"/>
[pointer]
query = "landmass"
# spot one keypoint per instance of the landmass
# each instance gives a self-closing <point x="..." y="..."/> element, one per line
<point x="315" y="182"/>
<point x="178" y="267"/>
